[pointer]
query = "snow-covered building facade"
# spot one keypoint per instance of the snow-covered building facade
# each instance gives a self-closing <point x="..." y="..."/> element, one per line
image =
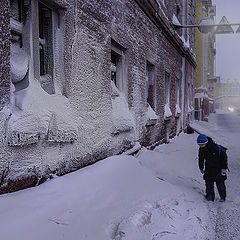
<point x="205" y="71"/>
<point x="83" y="80"/>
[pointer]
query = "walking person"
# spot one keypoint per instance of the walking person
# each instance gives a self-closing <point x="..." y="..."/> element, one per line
<point x="213" y="164"/>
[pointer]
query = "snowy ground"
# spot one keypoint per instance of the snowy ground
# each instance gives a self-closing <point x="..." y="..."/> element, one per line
<point x="151" y="196"/>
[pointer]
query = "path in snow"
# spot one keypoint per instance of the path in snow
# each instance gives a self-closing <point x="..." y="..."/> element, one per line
<point x="181" y="216"/>
<point x="168" y="219"/>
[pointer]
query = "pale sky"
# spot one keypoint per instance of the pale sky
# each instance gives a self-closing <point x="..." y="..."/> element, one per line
<point x="228" y="45"/>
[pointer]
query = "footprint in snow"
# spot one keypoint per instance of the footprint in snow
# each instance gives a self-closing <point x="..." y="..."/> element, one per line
<point x="159" y="235"/>
<point x="58" y="221"/>
<point x="141" y="218"/>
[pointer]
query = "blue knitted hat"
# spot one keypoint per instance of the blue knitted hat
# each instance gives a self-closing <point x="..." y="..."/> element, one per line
<point x="202" y="139"/>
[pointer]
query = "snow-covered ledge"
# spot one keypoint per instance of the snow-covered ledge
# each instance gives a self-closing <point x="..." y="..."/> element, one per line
<point x="151" y="116"/>
<point x="37" y="116"/>
<point x="190" y="109"/>
<point x="19" y="60"/>
<point x="16" y="26"/>
<point x="175" y="20"/>
<point x="167" y="112"/>
<point x="178" y="111"/>
<point x="123" y="120"/>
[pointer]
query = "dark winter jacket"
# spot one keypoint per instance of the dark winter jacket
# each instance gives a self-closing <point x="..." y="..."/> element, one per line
<point x="212" y="160"/>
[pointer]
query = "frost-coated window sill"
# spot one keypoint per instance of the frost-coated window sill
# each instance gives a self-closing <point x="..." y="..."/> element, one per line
<point x="178" y="111"/>
<point x="190" y="109"/>
<point x="115" y="90"/>
<point x="152" y="117"/>
<point x="123" y="120"/>
<point x="167" y="112"/>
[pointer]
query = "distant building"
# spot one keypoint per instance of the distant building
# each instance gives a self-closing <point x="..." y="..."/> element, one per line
<point x="83" y="80"/>
<point x="205" y="55"/>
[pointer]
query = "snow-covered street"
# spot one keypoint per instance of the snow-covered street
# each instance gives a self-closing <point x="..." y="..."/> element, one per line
<point x="227" y="216"/>
<point x="154" y="195"/>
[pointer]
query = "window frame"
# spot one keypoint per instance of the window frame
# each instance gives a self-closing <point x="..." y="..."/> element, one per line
<point x="150" y="81"/>
<point x="47" y="63"/>
<point x="178" y="91"/>
<point x="167" y="88"/>
<point x="120" y="68"/>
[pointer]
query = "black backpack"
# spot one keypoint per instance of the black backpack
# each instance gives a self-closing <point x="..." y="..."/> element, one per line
<point x="223" y="156"/>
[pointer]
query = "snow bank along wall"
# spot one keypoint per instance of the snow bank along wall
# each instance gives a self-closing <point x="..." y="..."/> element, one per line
<point x="88" y="80"/>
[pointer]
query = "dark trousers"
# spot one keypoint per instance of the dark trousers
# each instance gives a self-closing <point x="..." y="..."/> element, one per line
<point x="210" y="190"/>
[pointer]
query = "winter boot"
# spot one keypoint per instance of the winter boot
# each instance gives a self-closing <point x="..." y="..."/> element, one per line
<point x="209" y="198"/>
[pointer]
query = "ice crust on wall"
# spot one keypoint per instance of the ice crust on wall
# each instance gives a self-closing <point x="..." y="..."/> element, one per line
<point x="37" y="115"/>
<point x="151" y="116"/>
<point x="19" y="63"/>
<point x="38" y="120"/>
<point x="5" y="114"/>
<point x="167" y="111"/>
<point x="123" y="120"/>
<point x="175" y="20"/>
<point x="185" y="42"/>
<point x="178" y="110"/>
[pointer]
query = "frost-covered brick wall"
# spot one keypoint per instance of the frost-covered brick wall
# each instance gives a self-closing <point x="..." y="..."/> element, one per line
<point x="85" y="116"/>
<point x="4" y="54"/>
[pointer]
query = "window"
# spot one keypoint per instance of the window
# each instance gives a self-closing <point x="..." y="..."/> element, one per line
<point x="177" y="91"/>
<point x="18" y="10"/>
<point x="189" y="97"/>
<point x="16" y="14"/>
<point x="46" y="48"/>
<point x="123" y="120"/>
<point x="167" y="110"/>
<point x="150" y="84"/>
<point x="115" y="59"/>
<point x="118" y="66"/>
<point x="45" y="40"/>
<point x="192" y="96"/>
<point x="150" y="95"/>
<point x="167" y="88"/>
<point x="33" y="28"/>
<point x="178" y="109"/>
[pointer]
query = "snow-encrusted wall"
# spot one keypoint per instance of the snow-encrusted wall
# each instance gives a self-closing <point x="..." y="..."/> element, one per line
<point x="84" y="117"/>
<point x="4" y="53"/>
